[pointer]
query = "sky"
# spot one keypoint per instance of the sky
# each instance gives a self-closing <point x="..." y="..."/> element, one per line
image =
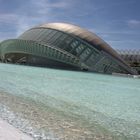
<point x="116" y="21"/>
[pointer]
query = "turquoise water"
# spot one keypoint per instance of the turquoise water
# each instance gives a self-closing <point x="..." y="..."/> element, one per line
<point x="112" y="102"/>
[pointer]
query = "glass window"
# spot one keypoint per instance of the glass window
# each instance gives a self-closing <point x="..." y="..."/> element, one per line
<point x="102" y="66"/>
<point x="50" y="36"/>
<point x="24" y="35"/>
<point x="93" y="58"/>
<point x="65" y="43"/>
<point x="80" y="48"/>
<point x="56" y="37"/>
<point x="41" y="34"/>
<point x="28" y="35"/>
<point x="73" y="46"/>
<point x="86" y="53"/>
<point x="74" y="43"/>
<point x="60" y="40"/>
<point x="45" y="34"/>
<point x="32" y="34"/>
<point x="37" y="34"/>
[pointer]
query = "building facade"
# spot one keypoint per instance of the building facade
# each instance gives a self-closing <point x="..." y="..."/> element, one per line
<point x="131" y="57"/>
<point x="63" y="45"/>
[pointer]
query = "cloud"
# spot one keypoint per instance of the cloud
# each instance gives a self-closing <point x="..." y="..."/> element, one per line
<point x="134" y="23"/>
<point x="6" y="35"/>
<point x="106" y="34"/>
<point x="121" y="41"/>
<point x="13" y="22"/>
<point x="61" y="4"/>
<point x="123" y="44"/>
<point x="8" y="18"/>
<point x="46" y="6"/>
<point x="30" y="14"/>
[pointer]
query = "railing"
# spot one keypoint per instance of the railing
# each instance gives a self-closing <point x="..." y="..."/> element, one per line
<point x="37" y="49"/>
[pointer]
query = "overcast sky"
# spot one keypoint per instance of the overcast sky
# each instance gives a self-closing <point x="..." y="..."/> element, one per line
<point x="115" y="21"/>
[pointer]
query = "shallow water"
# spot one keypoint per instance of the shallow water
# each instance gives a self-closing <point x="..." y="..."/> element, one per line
<point x="109" y="101"/>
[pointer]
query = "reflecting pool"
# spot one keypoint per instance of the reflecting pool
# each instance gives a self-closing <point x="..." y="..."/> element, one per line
<point x="74" y="105"/>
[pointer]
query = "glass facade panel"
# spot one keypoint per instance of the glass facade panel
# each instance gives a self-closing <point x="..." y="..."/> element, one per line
<point x="42" y="33"/>
<point x="47" y="36"/>
<point x="92" y="58"/>
<point x="56" y="38"/>
<point x="36" y="34"/>
<point x="50" y="37"/>
<point x="74" y="43"/>
<point x="59" y="41"/>
<point x="65" y="43"/>
<point x="73" y="46"/>
<point x="28" y="35"/>
<point x="32" y="34"/>
<point x="80" y="49"/>
<point x="86" y="53"/>
<point x="103" y="65"/>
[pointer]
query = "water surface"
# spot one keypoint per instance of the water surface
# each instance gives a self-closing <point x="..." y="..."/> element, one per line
<point x="108" y="101"/>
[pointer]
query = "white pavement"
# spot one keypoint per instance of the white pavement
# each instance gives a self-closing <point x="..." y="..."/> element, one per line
<point x="8" y="132"/>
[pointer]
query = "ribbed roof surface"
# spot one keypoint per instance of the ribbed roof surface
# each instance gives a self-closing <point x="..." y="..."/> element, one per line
<point x="84" y="34"/>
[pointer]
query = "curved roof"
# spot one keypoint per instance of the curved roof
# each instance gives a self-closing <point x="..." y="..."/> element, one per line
<point x="83" y="34"/>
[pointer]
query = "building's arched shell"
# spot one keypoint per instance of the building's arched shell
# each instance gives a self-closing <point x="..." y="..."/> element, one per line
<point x="80" y="47"/>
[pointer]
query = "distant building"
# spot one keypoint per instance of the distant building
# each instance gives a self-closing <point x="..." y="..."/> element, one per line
<point x="63" y="45"/>
<point x="131" y="57"/>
